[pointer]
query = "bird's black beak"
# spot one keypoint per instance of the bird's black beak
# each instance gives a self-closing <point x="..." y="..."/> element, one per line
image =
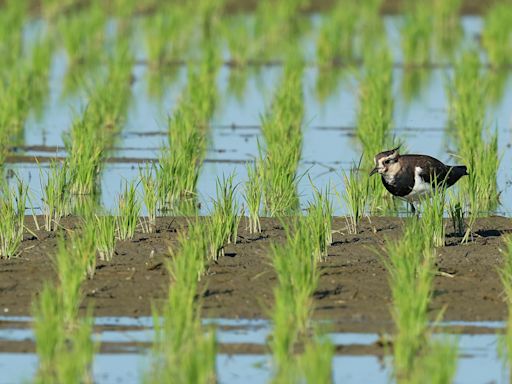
<point x="374" y="170"/>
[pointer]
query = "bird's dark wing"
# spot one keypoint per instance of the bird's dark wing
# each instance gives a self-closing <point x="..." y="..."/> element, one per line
<point x="434" y="172"/>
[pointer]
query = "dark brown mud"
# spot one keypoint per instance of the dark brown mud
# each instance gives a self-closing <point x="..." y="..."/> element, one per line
<point x="353" y="289"/>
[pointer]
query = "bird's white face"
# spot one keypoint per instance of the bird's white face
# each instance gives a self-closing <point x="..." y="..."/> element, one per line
<point x="386" y="164"/>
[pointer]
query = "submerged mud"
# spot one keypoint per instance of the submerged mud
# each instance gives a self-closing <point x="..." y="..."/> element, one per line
<point x="353" y="290"/>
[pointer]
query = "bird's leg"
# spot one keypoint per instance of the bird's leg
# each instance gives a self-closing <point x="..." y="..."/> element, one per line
<point x="413" y="210"/>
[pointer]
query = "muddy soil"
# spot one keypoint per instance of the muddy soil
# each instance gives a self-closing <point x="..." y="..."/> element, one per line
<point x="353" y="289"/>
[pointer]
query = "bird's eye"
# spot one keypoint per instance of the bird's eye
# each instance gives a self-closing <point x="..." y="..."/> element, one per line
<point x="387" y="161"/>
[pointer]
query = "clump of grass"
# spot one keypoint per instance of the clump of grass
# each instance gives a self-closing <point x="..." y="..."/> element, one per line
<point x="457" y="212"/>
<point x="150" y="197"/>
<point x="336" y="38"/>
<point x="222" y="225"/>
<point x="297" y="274"/>
<point x="417" y="32"/>
<point x="437" y="364"/>
<point x="55" y="195"/>
<point x="411" y="270"/>
<point x="297" y="277"/>
<point x="128" y="212"/>
<point x="477" y="144"/>
<point x="65" y="350"/>
<point x="106" y="236"/>
<point x="315" y="364"/>
<point x="85" y="156"/>
<point x="253" y="196"/>
<point x="497" y="34"/>
<point x="226" y="207"/>
<point x="83" y="244"/>
<point x="447" y="30"/>
<point x="281" y="129"/>
<point x="12" y="211"/>
<point x="356" y="196"/>
<point x="178" y="169"/>
<point x="183" y="352"/>
<point x="83" y="33"/>
<point x="319" y="218"/>
<point x="505" y="273"/>
<point x="432" y="215"/>
<point x="70" y="272"/>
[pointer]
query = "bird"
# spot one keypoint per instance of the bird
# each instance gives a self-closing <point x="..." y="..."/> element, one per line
<point x="412" y="176"/>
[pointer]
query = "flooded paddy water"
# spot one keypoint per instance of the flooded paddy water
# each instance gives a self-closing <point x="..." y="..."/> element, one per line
<point x="125" y="341"/>
<point x="329" y="145"/>
<point x="352" y="301"/>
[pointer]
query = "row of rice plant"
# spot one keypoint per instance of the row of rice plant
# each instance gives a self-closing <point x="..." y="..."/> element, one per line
<point x="64" y="343"/>
<point x="24" y="88"/>
<point x="296" y="267"/>
<point x="411" y="268"/>
<point x="178" y="169"/>
<point x="476" y="141"/>
<point x="505" y="272"/>
<point x="282" y="132"/>
<point x="374" y="124"/>
<point x="93" y="133"/>
<point x="183" y="352"/>
<point x="497" y="34"/>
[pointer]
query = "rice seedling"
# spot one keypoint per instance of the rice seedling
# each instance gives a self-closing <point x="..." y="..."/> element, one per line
<point x="432" y="216"/>
<point x="128" y="212"/>
<point x="85" y="156"/>
<point x="83" y="33"/>
<point x="417" y="32"/>
<point x="177" y="171"/>
<point x="297" y="276"/>
<point x="277" y="23"/>
<point x="12" y="211"/>
<point x="281" y="129"/>
<point x="457" y="212"/>
<point x="375" y="112"/>
<point x="295" y="264"/>
<point x="336" y="38"/>
<point x="11" y="30"/>
<point x="319" y="218"/>
<point x="315" y="364"/>
<point x="183" y="352"/>
<point x="253" y="196"/>
<point x="477" y="145"/>
<point x="222" y="224"/>
<point x="238" y="33"/>
<point x="497" y="34"/>
<point x="438" y="364"/>
<point x="447" y="30"/>
<point x="69" y="266"/>
<point x="356" y="197"/>
<point x="55" y="197"/>
<point x="106" y="236"/>
<point x="150" y="197"/>
<point x="65" y="350"/>
<point x="370" y="28"/>
<point x="226" y="207"/>
<point x="505" y="273"/>
<point x="411" y="270"/>
<point x="15" y="99"/>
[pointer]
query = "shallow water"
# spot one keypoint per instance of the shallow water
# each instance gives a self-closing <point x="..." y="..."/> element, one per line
<point x="478" y="360"/>
<point x="329" y="143"/>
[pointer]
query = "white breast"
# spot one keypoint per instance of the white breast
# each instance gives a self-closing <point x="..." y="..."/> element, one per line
<point x="420" y="186"/>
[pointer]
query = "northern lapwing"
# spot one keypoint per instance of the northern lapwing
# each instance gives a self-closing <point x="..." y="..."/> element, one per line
<point x="412" y="176"/>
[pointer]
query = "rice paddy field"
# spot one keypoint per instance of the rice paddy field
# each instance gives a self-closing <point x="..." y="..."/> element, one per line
<point x="185" y="193"/>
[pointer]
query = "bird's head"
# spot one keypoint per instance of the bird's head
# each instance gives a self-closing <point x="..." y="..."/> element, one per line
<point x="386" y="162"/>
